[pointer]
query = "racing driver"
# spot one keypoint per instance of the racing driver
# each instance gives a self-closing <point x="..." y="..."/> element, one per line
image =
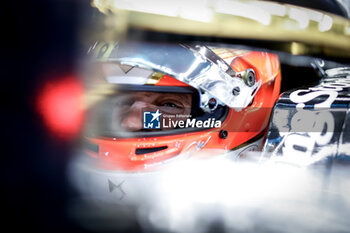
<point x="158" y="102"/>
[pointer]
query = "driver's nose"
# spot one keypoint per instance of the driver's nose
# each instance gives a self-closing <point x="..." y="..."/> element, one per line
<point x="133" y="118"/>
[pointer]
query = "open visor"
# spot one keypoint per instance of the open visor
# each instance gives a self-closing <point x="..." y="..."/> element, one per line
<point x="139" y="103"/>
<point x="195" y="65"/>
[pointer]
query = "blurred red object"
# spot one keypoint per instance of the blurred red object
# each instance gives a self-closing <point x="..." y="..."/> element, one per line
<point x="60" y="102"/>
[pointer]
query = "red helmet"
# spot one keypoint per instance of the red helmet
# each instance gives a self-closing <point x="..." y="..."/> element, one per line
<point x="154" y="103"/>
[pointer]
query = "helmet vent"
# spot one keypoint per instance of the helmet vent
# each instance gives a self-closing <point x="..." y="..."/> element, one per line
<point x="150" y="150"/>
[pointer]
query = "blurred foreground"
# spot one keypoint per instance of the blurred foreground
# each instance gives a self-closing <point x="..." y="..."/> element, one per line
<point x="218" y="195"/>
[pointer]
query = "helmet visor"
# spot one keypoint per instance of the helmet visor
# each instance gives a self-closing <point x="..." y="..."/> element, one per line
<point x="134" y="111"/>
<point x="129" y="101"/>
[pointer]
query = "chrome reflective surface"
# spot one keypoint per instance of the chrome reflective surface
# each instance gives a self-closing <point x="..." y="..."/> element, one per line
<point x="213" y="78"/>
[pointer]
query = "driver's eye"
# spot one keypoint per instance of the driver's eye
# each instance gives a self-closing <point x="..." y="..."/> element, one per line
<point x="171" y="107"/>
<point x="170" y="104"/>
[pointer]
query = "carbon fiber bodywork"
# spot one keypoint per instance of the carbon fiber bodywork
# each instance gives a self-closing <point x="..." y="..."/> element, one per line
<point x="312" y="124"/>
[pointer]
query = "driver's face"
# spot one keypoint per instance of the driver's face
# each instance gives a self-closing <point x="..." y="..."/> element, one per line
<point x="130" y="106"/>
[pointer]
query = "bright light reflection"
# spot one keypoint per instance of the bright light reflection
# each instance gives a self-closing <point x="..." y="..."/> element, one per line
<point x="314" y="15"/>
<point x="325" y="24"/>
<point x="154" y="7"/>
<point x="222" y="181"/>
<point x="187" y="193"/>
<point x="243" y="10"/>
<point x="201" y="14"/>
<point x="194" y="10"/>
<point x="300" y="16"/>
<point x="272" y="8"/>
